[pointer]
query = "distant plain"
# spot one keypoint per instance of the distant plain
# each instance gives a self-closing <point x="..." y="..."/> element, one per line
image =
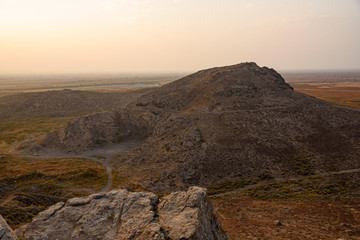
<point x="11" y="84"/>
<point x="339" y="87"/>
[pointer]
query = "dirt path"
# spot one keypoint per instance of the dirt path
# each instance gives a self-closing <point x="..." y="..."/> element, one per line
<point x="101" y="155"/>
<point x="277" y="180"/>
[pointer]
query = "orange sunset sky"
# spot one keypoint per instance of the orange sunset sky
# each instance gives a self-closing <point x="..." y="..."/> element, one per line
<point x="70" y="36"/>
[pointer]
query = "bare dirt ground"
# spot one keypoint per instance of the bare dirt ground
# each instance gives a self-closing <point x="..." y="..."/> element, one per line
<point x="325" y="206"/>
<point x="251" y="219"/>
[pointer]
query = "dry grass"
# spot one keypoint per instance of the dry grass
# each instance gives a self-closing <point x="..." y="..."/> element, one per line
<point x="343" y="93"/>
<point x="324" y="207"/>
<point x="83" y="173"/>
<point x="254" y="219"/>
<point x="29" y="186"/>
<point x="121" y="181"/>
<point x="14" y="131"/>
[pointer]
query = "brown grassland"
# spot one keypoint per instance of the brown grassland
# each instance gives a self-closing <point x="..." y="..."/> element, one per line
<point x="343" y="93"/>
<point x="28" y="186"/>
<point x="314" y="207"/>
<point x="13" y="132"/>
<point x="339" y="87"/>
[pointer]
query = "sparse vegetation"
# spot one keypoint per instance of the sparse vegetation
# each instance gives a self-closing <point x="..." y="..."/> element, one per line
<point x="121" y="181"/>
<point x="303" y="165"/>
<point x="254" y="219"/>
<point x="343" y="187"/>
<point x="233" y="185"/>
<point x="324" y="206"/>
<point x="24" y="172"/>
<point x="265" y="176"/>
<point x="28" y="186"/>
<point x="229" y="186"/>
<point x="14" y="131"/>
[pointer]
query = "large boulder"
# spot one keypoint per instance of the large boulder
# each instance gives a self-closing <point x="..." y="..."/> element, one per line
<point x="120" y="214"/>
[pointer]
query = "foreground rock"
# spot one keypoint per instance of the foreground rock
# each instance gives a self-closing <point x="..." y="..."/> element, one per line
<point x="128" y="215"/>
<point x="5" y="231"/>
<point x="188" y="215"/>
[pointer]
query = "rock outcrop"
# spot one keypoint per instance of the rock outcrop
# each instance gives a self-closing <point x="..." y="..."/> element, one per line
<point x="85" y="133"/>
<point x="188" y="215"/>
<point x="6" y="233"/>
<point x="120" y="214"/>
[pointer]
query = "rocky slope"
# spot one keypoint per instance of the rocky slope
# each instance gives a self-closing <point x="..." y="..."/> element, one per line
<point x="63" y="103"/>
<point x="99" y="129"/>
<point x="120" y="214"/>
<point x="222" y="124"/>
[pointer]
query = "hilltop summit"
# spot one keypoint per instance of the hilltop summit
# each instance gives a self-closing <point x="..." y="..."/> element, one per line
<point x="245" y="81"/>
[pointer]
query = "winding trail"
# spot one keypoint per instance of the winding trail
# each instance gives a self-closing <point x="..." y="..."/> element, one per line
<point x="278" y="180"/>
<point x="102" y="155"/>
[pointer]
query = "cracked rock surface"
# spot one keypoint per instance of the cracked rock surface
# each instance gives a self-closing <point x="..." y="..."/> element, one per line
<point x="120" y="214"/>
<point x="188" y="215"/>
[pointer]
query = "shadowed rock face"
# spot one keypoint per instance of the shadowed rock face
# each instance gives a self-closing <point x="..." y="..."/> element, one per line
<point x="98" y="130"/>
<point x="127" y="215"/>
<point x="222" y="124"/>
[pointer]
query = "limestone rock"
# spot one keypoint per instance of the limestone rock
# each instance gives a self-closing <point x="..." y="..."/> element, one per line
<point x="120" y="214"/>
<point x="116" y="215"/>
<point x="188" y="215"/>
<point x="6" y="233"/>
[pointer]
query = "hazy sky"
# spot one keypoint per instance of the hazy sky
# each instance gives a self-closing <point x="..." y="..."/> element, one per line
<point x="48" y="36"/>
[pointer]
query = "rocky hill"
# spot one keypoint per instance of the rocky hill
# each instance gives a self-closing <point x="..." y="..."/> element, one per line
<point x="120" y="214"/>
<point x="63" y="103"/>
<point x="218" y="125"/>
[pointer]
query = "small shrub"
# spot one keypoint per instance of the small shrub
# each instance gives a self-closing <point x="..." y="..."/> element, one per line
<point x="302" y="165"/>
<point x="265" y="176"/>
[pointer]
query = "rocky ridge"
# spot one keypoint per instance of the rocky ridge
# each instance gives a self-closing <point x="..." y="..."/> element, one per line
<point x="120" y="214"/>
<point x="63" y="103"/>
<point x="221" y="125"/>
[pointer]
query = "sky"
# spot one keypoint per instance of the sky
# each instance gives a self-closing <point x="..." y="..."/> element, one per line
<point x="115" y="36"/>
